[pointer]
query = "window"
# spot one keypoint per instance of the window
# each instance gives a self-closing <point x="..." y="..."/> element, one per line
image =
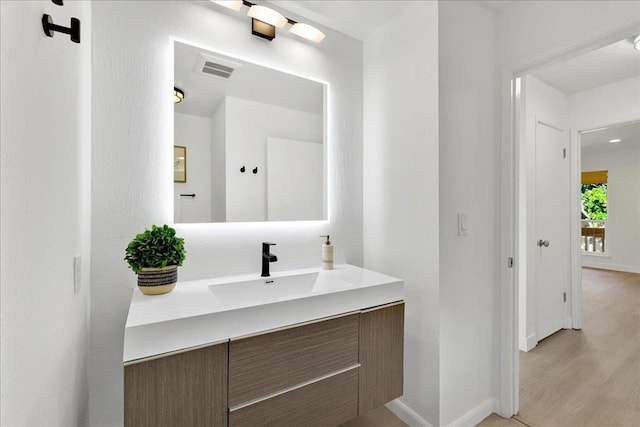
<point x="594" y="211"/>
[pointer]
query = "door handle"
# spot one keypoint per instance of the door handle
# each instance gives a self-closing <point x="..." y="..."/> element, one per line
<point x="542" y="243"/>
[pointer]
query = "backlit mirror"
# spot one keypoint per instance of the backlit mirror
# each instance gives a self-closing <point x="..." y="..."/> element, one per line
<point x="249" y="141"/>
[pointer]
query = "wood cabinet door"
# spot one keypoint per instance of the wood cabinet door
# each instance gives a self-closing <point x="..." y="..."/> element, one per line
<point x="328" y="402"/>
<point x="184" y="389"/>
<point x="381" y="356"/>
<point x="269" y="363"/>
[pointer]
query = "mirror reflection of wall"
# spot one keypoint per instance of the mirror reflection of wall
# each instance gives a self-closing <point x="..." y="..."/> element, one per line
<point x="255" y="141"/>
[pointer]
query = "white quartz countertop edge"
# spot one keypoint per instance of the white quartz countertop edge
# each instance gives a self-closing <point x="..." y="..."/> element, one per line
<point x="183" y="318"/>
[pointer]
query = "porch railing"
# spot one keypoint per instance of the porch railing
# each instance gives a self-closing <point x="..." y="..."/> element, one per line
<point x="593" y="236"/>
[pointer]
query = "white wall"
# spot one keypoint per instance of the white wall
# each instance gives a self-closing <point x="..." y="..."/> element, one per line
<point x="623" y="200"/>
<point x="246" y="144"/>
<point x="468" y="184"/>
<point x="401" y="188"/>
<point x="603" y="106"/>
<point x="45" y="170"/>
<point x="193" y="132"/>
<point x="546" y="104"/>
<point x="133" y="129"/>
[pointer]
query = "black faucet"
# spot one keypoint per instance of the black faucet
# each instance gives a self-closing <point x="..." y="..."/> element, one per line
<point x="267" y="258"/>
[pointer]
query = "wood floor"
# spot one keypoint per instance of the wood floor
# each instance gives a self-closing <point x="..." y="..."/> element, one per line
<point x="589" y="377"/>
<point x="381" y="417"/>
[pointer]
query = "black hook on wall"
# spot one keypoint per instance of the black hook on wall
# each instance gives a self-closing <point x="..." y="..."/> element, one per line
<point x="255" y="170"/>
<point x="73" y="30"/>
<point x="242" y="169"/>
<point x="58" y="2"/>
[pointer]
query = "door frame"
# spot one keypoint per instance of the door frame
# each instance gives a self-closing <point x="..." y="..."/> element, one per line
<point x="508" y="352"/>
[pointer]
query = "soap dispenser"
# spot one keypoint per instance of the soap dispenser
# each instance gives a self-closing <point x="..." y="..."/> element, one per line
<point x="327" y="254"/>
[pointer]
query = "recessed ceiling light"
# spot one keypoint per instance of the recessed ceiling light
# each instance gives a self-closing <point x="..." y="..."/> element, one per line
<point x="613" y="141"/>
<point x="636" y="42"/>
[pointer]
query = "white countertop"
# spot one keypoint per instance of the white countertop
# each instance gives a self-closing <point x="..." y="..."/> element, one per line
<point x="198" y="312"/>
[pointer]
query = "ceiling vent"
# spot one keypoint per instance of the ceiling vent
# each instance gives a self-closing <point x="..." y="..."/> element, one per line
<point x="216" y="67"/>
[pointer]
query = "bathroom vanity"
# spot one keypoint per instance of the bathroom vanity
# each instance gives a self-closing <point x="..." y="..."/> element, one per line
<point x="306" y="347"/>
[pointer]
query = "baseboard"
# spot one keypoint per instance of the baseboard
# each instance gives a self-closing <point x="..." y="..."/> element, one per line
<point x="603" y="265"/>
<point x="527" y="343"/>
<point x="476" y="414"/>
<point x="407" y="414"/>
<point x="470" y="419"/>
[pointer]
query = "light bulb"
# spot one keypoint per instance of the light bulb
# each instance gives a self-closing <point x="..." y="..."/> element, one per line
<point x="307" y="31"/>
<point x="267" y="15"/>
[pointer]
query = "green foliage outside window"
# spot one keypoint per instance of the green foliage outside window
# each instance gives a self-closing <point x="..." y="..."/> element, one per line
<point x="594" y="201"/>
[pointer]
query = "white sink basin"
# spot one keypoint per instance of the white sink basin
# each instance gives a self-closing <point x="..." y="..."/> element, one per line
<point x="275" y="289"/>
<point x="203" y="312"/>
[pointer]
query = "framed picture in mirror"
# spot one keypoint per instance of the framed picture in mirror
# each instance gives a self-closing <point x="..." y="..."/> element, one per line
<point x="179" y="163"/>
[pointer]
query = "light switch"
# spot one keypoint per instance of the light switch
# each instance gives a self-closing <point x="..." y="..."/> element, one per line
<point x="463" y="224"/>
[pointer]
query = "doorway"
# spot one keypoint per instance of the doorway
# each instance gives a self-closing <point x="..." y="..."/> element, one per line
<point x="544" y="217"/>
<point x="610" y="181"/>
<point x="513" y="335"/>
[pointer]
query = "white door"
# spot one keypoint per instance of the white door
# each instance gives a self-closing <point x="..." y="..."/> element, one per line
<point x="294" y="180"/>
<point x="552" y="243"/>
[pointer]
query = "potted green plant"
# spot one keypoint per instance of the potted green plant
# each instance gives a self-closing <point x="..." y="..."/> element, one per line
<point x="155" y="256"/>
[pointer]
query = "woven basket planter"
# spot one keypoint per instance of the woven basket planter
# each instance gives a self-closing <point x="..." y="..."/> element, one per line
<point x="156" y="281"/>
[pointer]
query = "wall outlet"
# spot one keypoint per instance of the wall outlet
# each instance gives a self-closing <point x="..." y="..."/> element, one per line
<point x="463" y="224"/>
<point x="77" y="274"/>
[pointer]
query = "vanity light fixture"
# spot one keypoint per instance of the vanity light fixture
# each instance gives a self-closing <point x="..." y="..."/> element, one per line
<point x="265" y="20"/>
<point x="178" y="95"/>
<point x="307" y="31"/>
<point x="613" y="141"/>
<point x="263" y="29"/>
<point x="636" y="42"/>
<point x="267" y="15"/>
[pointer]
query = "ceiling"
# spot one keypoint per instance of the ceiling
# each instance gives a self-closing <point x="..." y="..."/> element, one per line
<point x="618" y="61"/>
<point x="598" y="141"/>
<point x="203" y="93"/>
<point x="360" y="18"/>
<point x="357" y="19"/>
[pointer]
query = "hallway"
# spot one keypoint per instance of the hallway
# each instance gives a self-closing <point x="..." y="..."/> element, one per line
<point x="588" y="377"/>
